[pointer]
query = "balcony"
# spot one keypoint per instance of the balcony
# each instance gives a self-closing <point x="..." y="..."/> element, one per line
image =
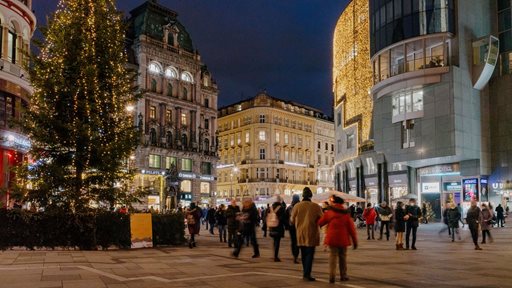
<point x="14" y="70"/>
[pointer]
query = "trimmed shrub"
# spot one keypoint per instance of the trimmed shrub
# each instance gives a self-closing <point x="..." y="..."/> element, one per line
<point x="168" y="229"/>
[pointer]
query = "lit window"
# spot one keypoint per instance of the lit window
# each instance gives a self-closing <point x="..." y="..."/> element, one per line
<point x="262" y="136"/>
<point x="262" y="154"/>
<point x="186" y="164"/>
<point x="205" y="188"/>
<point x="154" y="68"/>
<point x="285" y="138"/>
<point x="238" y="138"/>
<point x="186" y="186"/>
<point x="183" y="119"/>
<point x="232" y="140"/>
<point x="171" y="73"/>
<point x="169" y="161"/>
<point x="187" y="77"/>
<point x="407" y="105"/>
<point x="286" y="155"/>
<point x="11" y="46"/>
<point x="152" y="112"/>
<point x="277" y="137"/>
<point x="168" y="115"/>
<point x="154" y="161"/>
<point x="247" y="137"/>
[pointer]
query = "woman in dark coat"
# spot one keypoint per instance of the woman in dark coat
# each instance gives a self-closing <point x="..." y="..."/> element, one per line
<point x="400" y="225"/>
<point x="453" y="217"/>
<point x="279" y="208"/>
<point x="193" y="215"/>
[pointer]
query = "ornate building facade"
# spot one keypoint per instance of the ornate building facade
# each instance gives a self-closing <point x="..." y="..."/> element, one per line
<point x="18" y="24"/>
<point x="269" y="146"/>
<point x="177" y="116"/>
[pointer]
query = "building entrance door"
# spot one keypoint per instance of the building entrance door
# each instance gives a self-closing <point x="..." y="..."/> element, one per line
<point x="433" y="200"/>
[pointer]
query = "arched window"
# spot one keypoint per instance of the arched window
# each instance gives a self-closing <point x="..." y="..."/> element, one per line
<point x="187" y="77"/>
<point x="184" y="141"/>
<point x="153" y="85"/>
<point x="152" y="136"/>
<point x="155" y="68"/>
<point x="168" y="138"/>
<point x="169" y="89"/>
<point x="171" y="73"/>
<point x="206" y="144"/>
<point x="185" y="93"/>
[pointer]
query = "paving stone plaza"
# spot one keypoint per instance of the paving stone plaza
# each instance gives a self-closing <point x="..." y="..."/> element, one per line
<point x="436" y="263"/>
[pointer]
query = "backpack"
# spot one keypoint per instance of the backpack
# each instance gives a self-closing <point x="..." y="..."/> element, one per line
<point x="191" y="220"/>
<point x="272" y="219"/>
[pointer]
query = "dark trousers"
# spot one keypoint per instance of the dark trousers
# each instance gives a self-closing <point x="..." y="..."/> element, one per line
<point x="222" y="232"/>
<point x="382" y="225"/>
<point x="251" y="234"/>
<point x="473" y="228"/>
<point x="486" y="232"/>
<point x="192" y="238"/>
<point x="337" y="255"/>
<point x="500" y="221"/>
<point x="277" y="243"/>
<point x="453" y="231"/>
<point x="232" y="236"/>
<point x="369" y="228"/>
<point x="293" y="240"/>
<point x="410" y="228"/>
<point x="212" y="225"/>
<point x="308" y="254"/>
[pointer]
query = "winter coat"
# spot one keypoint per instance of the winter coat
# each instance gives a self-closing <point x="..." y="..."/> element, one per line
<point x="453" y="217"/>
<point x="370" y="216"/>
<point x="288" y="216"/>
<point x="280" y="211"/>
<point x="399" y="220"/>
<point x="231" y="217"/>
<point x="249" y="219"/>
<point x="414" y="213"/>
<point x="499" y="212"/>
<point x="341" y="231"/>
<point x="210" y="216"/>
<point x="473" y="217"/>
<point x="305" y="217"/>
<point x="385" y="212"/>
<point x="220" y="216"/>
<point x="194" y="228"/>
<point x="485" y="217"/>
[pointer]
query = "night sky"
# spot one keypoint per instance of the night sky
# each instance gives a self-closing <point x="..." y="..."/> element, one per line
<point x="282" y="46"/>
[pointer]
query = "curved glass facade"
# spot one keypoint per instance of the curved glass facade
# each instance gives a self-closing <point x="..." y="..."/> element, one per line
<point x="393" y="21"/>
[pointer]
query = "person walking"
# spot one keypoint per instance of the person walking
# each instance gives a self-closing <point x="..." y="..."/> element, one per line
<point x="210" y="218"/>
<point x="399" y="225"/>
<point x="231" y="213"/>
<point x="473" y="221"/>
<point x="385" y="214"/>
<point x="452" y="218"/>
<point x="263" y="214"/>
<point x="413" y="215"/>
<point x="305" y="216"/>
<point x="486" y="216"/>
<point x="424" y="213"/>
<point x="369" y="215"/>
<point x="500" y="216"/>
<point x="276" y="224"/>
<point x="445" y="221"/>
<point x="341" y="233"/>
<point x="248" y="219"/>
<point x="220" y="217"/>
<point x="292" y="230"/>
<point x="193" y="216"/>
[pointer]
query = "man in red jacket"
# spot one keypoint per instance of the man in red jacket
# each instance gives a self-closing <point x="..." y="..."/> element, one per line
<point x="341" y="233"/>
<point x="370" y="216"/>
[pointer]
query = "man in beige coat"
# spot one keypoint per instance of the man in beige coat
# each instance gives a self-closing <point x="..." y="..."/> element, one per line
<point x="305" y="216"/>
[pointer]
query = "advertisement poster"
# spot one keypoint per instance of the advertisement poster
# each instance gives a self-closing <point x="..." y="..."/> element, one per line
<point x="470" y="189"/>
<point x="484" y="189"/>
<point x="141" y="230"/>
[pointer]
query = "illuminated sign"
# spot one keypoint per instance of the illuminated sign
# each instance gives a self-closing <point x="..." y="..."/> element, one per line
<point x="207" y="177"/>
<point x="470" y="189"/>
<point x="452" y="186"/>
<point x="186" y="175"/>
<point x="430" y="187"/>
<point x="153" y="172"/>
<point x="15" y="141"/>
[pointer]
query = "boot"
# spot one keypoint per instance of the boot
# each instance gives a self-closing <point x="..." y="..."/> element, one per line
<point x="477" y="247"/>
<point x="397" y="246"/>
<point x="401" y="246"/>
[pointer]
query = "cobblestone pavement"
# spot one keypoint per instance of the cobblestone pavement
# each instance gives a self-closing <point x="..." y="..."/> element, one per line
<point x="437" y="263"/>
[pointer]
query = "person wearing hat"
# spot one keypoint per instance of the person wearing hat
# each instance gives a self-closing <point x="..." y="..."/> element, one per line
<point x="292" y="230"/>
<point x="305" y="216"/>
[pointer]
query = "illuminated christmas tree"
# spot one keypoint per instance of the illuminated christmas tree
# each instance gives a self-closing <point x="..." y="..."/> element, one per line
<point x="80" y="129"/>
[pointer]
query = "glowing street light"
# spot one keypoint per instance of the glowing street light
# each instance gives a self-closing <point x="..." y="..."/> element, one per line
<point x="130" y="108"/>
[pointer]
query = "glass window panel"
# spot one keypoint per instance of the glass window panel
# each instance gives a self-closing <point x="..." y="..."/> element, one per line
<point x="408" y="102"/>
<point x="504" y="20"/>
<point x="506" y="41"/>
<point x="384" y="66"/>
<point x="398" y="9"/>
<point x="389" y="12"/>
<point x="407" y="7"/>
<point x="417" y="99"/>
<point x="503" y="4"/>
<point x="382" y="16"/>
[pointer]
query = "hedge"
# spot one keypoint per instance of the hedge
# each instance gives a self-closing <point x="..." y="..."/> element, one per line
<point x="85" y="231"/>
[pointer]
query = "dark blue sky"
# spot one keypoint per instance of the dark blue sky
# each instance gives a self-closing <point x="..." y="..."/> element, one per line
<point x="283" y="46"/>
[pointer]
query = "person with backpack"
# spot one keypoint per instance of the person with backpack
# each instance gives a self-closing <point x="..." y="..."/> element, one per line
<point x="193" y="216"/>
<point x="248" y="219"/>
<point x="220" y="217"/>
<point x="341" y="233"/>
<point x="276" y="224"/>
<point x="292" y="230"/>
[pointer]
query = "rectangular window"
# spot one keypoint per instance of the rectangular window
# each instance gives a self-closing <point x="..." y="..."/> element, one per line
<point x="206" y="102"/>
<point x="262" y="118"/>
<point x="277" y="137"/>
<point x="183" y="119"/>
<point x="285" y="138"/>
<point x="238" y="138"/>
<point x="339" y="147"/>
<point x="319" y="145"/>
<point x="232" y="140"/>
<point x="11" y="47"/>
<point x="154" y="161"/>
<point x="262" y="154"/>
<point x="152" y="112"/>
<point x="408" y="134"/>
<point x="319" y="160"/>
<point x="206" y="123"/>
<point x="169" y="161"/>
<point x="247" y="137"/>
<point x="262" y="136"/>
<point x="326" y="146"/>
<point x="206" y="168"/>
<point x="286" y="156"/>
<point x="338" y="118"/>
<point x="332" y="147"/>
<point x="350" y="141"/>
<point x="186" y="164"/>
<point x="168" y="116"/>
